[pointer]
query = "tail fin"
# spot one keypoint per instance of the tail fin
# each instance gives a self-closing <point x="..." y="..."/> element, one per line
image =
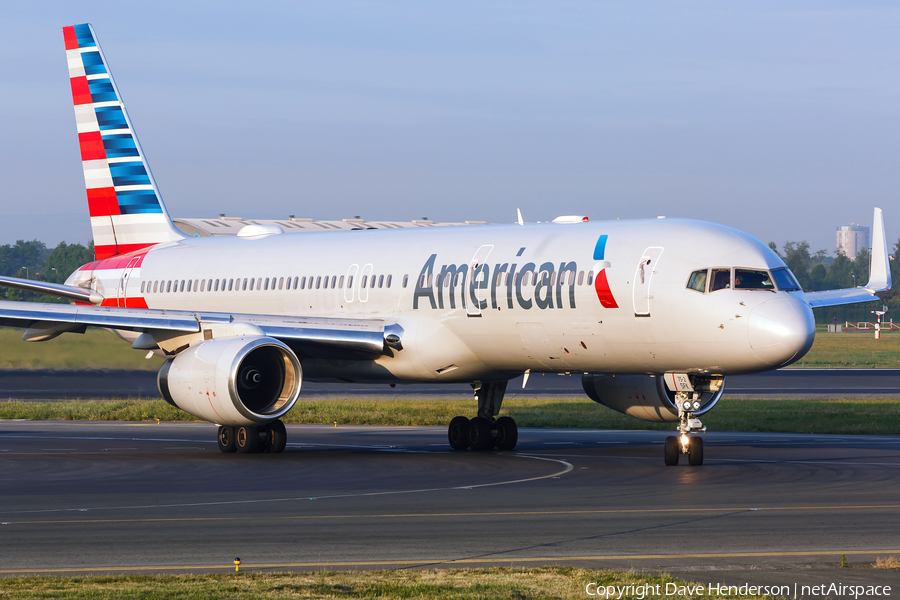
<point x="127" y="211"/>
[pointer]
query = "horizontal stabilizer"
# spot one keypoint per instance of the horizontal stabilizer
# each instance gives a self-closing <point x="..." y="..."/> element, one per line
<point x="75" y="294"/>
<point x="879" y="274"/>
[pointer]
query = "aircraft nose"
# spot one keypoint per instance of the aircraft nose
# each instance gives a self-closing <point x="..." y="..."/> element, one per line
<point x="781" y="330"/>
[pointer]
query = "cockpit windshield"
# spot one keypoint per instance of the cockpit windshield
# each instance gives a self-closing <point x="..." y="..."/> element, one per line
<point x="785" y="280"/>
<point x="723" y="278"/>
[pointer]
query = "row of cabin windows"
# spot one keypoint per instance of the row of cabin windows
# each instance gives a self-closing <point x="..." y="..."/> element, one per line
<point x="530" y="278"/>
<point x="165" y="286"/>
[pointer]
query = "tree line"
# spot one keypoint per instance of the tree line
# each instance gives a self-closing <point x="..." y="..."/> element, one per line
<point x="34" y="260"/>
<point x="813" y="274"/>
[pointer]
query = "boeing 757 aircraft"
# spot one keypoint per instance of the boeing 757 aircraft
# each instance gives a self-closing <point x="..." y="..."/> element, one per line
<point x="655" y="313"/>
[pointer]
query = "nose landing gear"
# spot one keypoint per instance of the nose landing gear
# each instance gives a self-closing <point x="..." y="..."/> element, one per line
<point x="688" y="428"/>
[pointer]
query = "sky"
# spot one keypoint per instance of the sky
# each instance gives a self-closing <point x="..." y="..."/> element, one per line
<point x="779" y="118"/>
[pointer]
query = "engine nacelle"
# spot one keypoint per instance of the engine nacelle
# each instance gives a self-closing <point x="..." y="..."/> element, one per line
<point x="647" y="397"/>
<point x="235" y="381"/>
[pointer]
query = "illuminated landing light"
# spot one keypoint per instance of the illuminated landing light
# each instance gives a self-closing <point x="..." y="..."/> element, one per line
<point x="685" y="440"/>
<point x="571" y="219"/>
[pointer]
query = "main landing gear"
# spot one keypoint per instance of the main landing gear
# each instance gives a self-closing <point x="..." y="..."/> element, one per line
<point x="688" y="428"/>
<point x="485" y="431"/>
<point x="247" y="439"/>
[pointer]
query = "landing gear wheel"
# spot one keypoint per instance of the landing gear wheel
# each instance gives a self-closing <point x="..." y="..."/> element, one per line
<point x="673" y="450"/>
<point x="695" y="452"/>
<point x="507" y="433"/>
<point x="247" y="439"/>
<point x="276" y="437"/>
<point x="458" y="433"/>
<point x="226" y="439"/>
<point x="480" y="438"/>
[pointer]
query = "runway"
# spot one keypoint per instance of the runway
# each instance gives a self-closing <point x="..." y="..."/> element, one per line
<point x="21" y="384"/>
<point x="89" y="497"/>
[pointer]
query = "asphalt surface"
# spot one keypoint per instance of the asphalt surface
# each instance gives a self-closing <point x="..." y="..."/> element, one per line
<point x="84" y="497"/>
<point x="797" y="383"/>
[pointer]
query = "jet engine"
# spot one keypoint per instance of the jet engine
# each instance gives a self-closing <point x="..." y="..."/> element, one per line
<point x="647" y="397"/>
<point x="235" y="381"/>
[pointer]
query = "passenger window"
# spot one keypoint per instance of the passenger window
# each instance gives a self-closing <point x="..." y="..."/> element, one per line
<point x="202" y="285"/>
<point x="143" y="284"/>
<point x="196" y="283"/>
<point x="266" y="284"/>
<point x="258" y="283"/>
<point x="217" y="285"/>
<point x="581" y="278"/>
<point x="281" y="283"/>
<point x="296" y="280"/>
<point x="365" y="280"/>
<point x="350" y="282"/>
<point x="325" y="283"/>
<point x="381" y="281"/>
<point x="318" y="282"/>
<point x="333" y="281"/>
<point x="303" y="283"/>
<point x="405" y="280"/>
<point x="389" y="280"/>
<point x="244" y="289"/>
<point x="746" y="279"/>
<point x="590" y="280"/>
<point x="720" y="279"/>
<point x="429" y="280"/>
<point x="155" y="284"/>
<point x="341" y="282"/>
<point x="230" y="285"/>
<point x="189" y="285"/>
<point x="697" y="281"/>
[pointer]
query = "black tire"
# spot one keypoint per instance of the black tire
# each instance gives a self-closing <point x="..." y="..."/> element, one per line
<point x="481" y="438"/>
<point x="226" y="439"/>
<point x="276" y="437"/>
<point x="673" y="450"/>
<point x="458" y="433"/>
<point x="695" y="452"/>
<point x="246" y="438"/>
<point x="507" y="433"/>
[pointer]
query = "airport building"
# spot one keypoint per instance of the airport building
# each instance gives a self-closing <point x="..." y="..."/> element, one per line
<point x="851" y="239"/>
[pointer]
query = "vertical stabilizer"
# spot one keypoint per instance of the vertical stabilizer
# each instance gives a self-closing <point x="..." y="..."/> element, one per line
<point x="127" y="211"/>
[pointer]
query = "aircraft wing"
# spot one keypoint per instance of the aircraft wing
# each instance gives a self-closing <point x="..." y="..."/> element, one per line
<point x="879" y="277"/>
<point x="320" y="336"/>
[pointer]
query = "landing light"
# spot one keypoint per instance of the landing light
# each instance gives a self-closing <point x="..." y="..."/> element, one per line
<point x="685" y="440"/>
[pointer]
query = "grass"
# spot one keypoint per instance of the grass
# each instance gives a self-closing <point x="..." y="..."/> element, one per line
<point x="483" y="584"/>
<point x="95" y="349"/>
<point x="853" y="350"/>
<point x="98" y="349"/>
<point x="886" y="563"/>
<point x="845" y="416"/>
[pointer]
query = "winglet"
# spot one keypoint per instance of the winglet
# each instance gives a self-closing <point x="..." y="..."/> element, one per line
<point x="520" y="221"/>
<point x="880" y="270"/>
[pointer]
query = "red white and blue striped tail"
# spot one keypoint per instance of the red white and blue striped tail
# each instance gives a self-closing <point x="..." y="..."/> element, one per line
<point x="127" y="211"/>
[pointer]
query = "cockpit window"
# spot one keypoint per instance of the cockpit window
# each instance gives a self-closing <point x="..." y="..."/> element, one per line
<point x="785" y="281"/>
<point x="697" y="281"/>
<point x="720" y="280"/>
<point x="745" y="279"/>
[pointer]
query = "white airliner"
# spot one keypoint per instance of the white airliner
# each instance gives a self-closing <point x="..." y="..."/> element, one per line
<point x="654" y="313"/>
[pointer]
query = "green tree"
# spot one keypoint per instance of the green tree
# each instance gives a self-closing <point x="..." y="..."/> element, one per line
<point x="65" y="259"/>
